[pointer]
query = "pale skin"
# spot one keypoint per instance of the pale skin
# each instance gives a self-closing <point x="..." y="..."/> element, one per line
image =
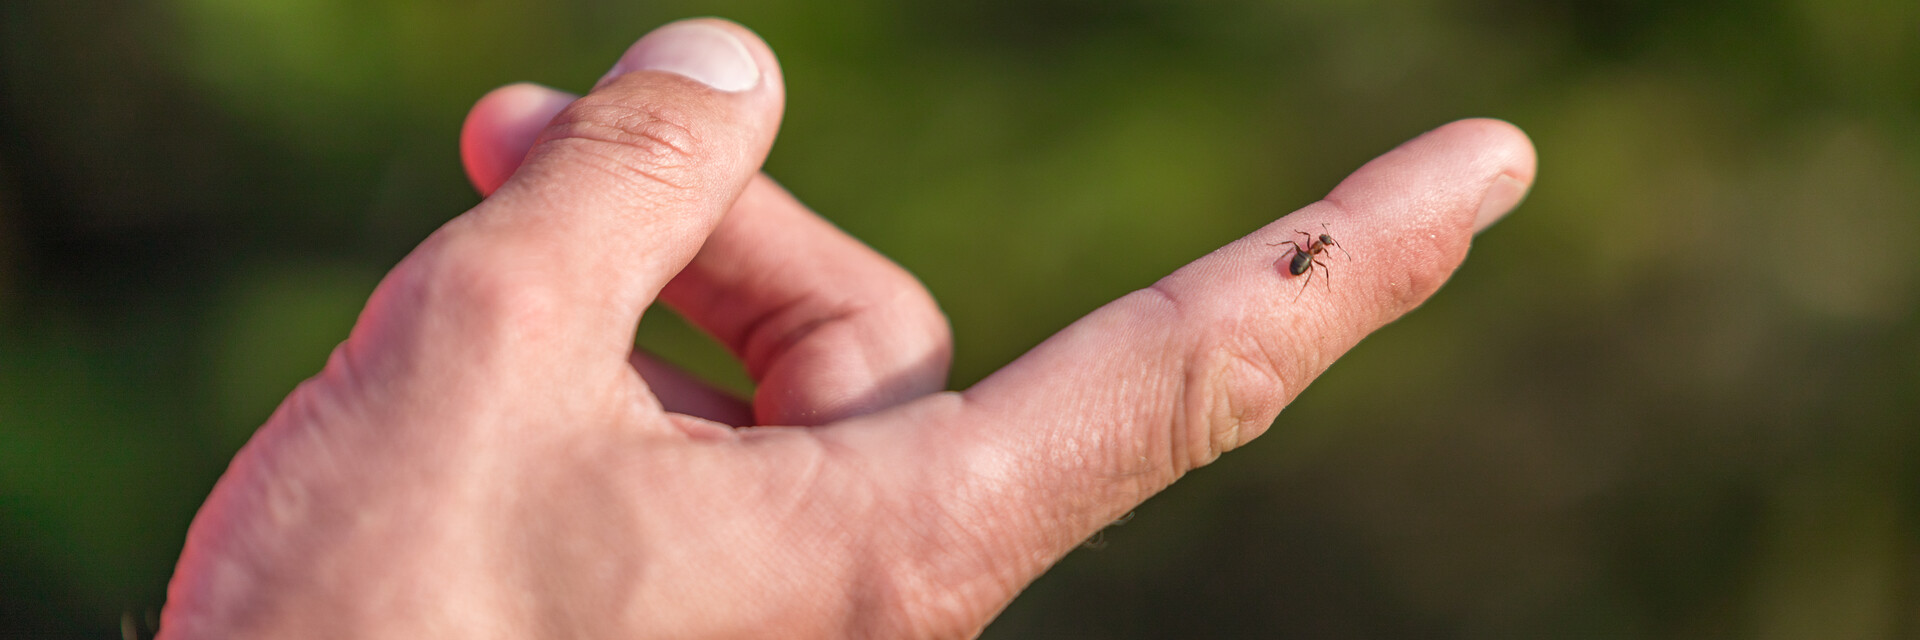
<point x="486" y="457"/>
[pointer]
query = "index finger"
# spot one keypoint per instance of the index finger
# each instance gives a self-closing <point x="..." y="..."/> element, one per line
<point x="1123" y="402"/>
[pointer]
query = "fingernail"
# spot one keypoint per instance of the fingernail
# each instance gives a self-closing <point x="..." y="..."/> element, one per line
<point x="698" y="50"/>
<point x="1502" y="196"/>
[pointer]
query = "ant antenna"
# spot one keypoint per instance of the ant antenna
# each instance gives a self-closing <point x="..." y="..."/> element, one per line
<point x="1329" y="234"/>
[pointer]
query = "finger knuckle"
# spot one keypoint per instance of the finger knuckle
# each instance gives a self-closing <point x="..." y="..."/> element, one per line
<point x="486" y="295"/>
<point x="641" y="139"/>
<point x="1233" y="378"/>
<point x="1429" y="260"/>
<point x="1234" y="386"/>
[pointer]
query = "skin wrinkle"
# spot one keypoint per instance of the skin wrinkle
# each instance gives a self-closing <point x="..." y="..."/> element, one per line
<point x="1131" y="455"/>
<point x="797" y="494"/>
<point x="661" y="131"/>
<point x="766" y="349"/>
<point x="1206" y="420"/>
<point x="956" y="572"/>
<point x="902" y="583"/>
<point x="1163" y="299"/>
<point x="762" y="352"/>
<point x="1240" y="389"/>
<point x="1145" y="468"/>
<point x="845" y="321"/>
<point x="657" y="128"/>
<point x="897" y="582"/>
<point x="939" y="539"/>
<point x="1195" y="415"/>
<point x="644" y="147"/>
<point x="584" y="155"/>
<point x="554" y="544"/>
<point x="716" y="296"/>
<point x="951" y="569"/>
<point x="793" y="510"/>
<point x="1134" y="463"/>
<point x="750" y="343"/>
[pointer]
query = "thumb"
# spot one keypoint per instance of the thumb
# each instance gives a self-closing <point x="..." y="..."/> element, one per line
<point x="621" y="187"/>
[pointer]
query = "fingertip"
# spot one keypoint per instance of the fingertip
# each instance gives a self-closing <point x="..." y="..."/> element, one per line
<point x="502" y="127"/>
<point x="1506" y="156"/>
<point x="719" y="53"/>
<point x="614" y="192"/>
<point x="1502" y="196"/>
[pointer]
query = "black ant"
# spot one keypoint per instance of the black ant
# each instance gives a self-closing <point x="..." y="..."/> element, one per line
<point x="1304" y="257"/>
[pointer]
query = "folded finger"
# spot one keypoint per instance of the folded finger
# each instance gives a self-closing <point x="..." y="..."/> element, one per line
<point x="618" y="191"/>
<point x="827" y="327"/>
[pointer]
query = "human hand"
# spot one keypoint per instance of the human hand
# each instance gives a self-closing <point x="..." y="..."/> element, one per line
<point x="484" y="456"/>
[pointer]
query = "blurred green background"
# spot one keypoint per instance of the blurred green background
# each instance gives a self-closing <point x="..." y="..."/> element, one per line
<point x="1674" y="396"/>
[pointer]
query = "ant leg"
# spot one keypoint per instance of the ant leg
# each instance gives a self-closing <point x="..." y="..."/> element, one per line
<point x="1329" y="279"/>
<point x="1303" y="285"/>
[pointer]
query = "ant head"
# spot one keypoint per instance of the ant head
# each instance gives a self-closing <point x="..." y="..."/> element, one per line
<point x="1327" y="238"/>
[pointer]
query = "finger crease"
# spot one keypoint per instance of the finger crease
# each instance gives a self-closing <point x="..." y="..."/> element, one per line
<point x="762" y="358"/>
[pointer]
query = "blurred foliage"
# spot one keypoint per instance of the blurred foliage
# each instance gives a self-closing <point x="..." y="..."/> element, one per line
<point x="1673" y="396"/>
